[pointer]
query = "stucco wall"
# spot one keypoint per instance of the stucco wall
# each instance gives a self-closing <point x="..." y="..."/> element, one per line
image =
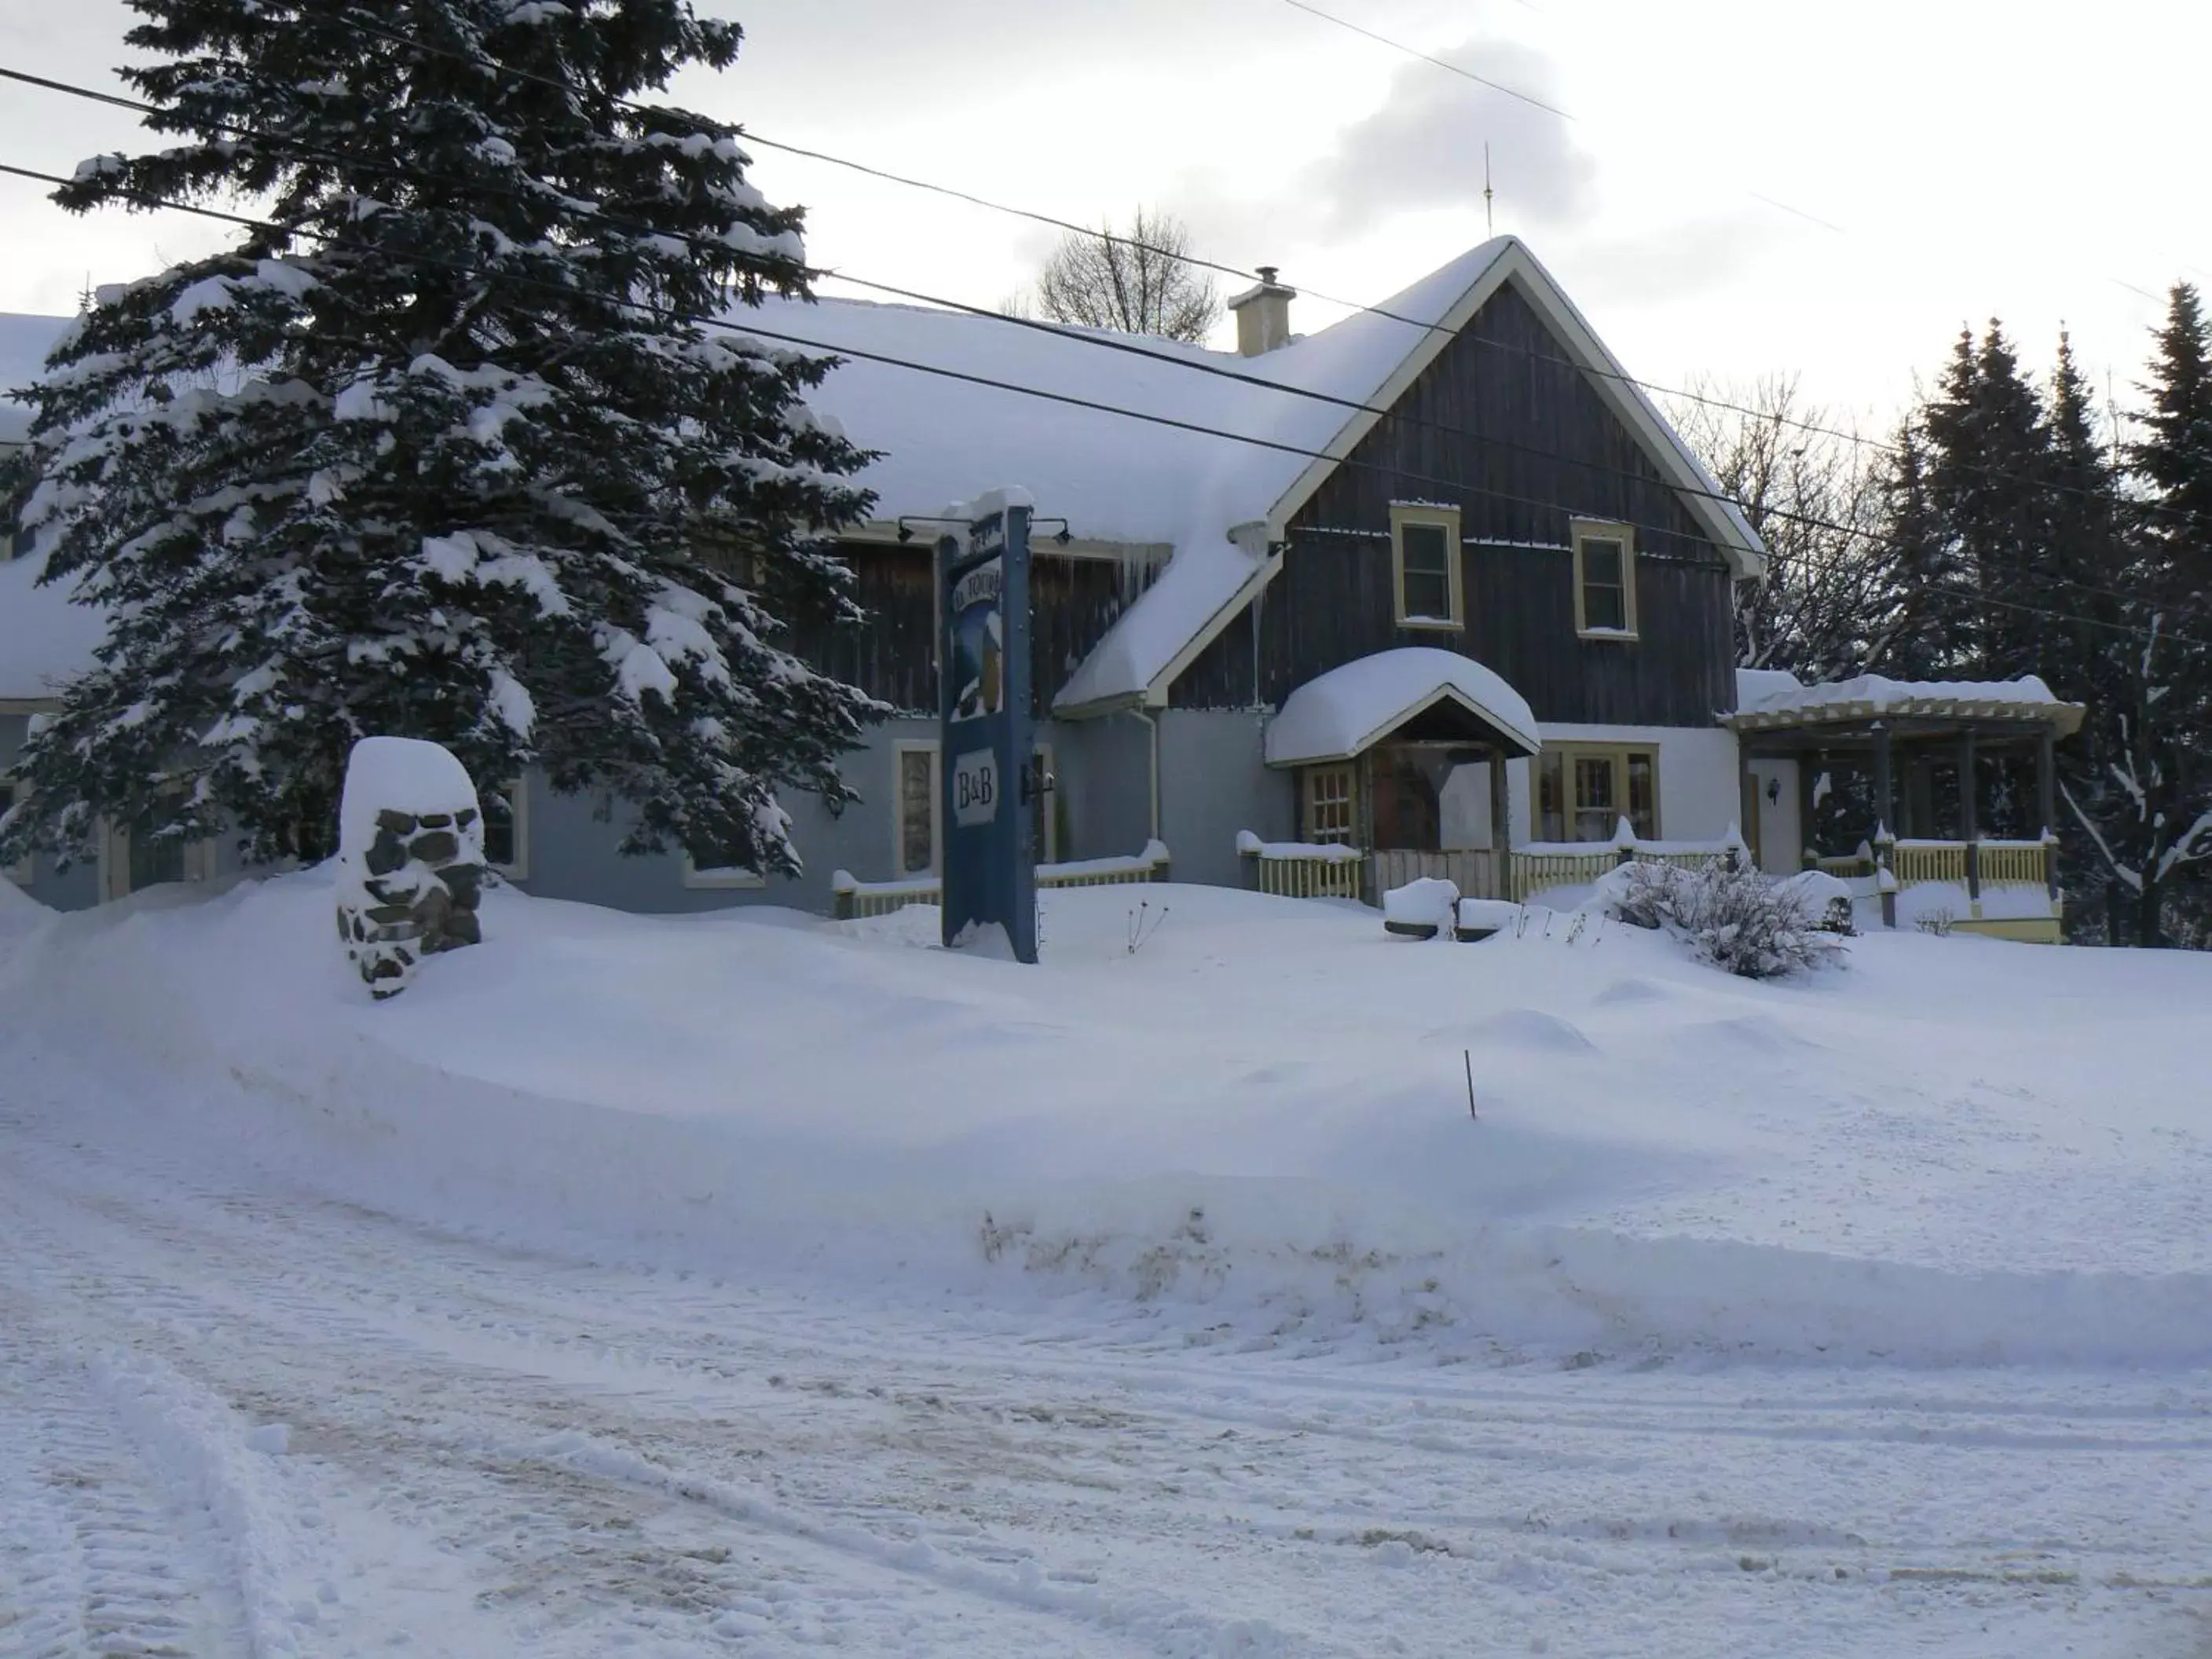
<point x="1781" y="832"/>
<point x="1215" y="782"/>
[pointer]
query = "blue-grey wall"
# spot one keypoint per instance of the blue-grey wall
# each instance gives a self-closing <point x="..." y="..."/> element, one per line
<point x="75" y="889"/>
<point x="1102" y="767"/>
<point x="1105" y="785"/>
<point x="1214" y="782"/>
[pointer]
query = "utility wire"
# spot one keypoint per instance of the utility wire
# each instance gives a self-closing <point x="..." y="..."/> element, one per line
<point x="642" y="308"/>
<point x="1441" y="64"/>
<point x="1127" y="346"/>
<point x="1197" y="262"/>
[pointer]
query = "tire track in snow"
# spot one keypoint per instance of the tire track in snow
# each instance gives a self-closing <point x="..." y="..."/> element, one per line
<point x="101" y="1550"/>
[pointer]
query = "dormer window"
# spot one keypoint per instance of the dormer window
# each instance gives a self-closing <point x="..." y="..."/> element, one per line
<point x="1425" y="566"/>
<point x="1605" y="580"/>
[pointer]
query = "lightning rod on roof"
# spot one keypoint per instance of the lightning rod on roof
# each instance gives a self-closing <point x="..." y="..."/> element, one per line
<point x="1489" y="220"/>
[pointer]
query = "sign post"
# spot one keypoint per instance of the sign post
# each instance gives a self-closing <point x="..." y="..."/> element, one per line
<point x="985" y="778"/>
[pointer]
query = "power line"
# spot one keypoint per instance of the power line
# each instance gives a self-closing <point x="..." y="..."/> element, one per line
<point x="1128" y="346"/>
<point x="330" y="239"/>
<point x="1196" y="262"/>
<point x="1464" y="73"/>
<point x="1551" y="109"/>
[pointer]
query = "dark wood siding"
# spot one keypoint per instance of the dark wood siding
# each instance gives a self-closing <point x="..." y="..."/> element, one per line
<point x="1546" y="450"/>
<point x="891" y="653"/>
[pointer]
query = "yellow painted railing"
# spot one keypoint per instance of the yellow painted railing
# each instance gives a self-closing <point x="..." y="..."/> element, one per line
<point x="1536" y="872"/>
<point x="2014" y="864"/>
<point x="1308" y="876"/>
<point x="1915" y="862"/>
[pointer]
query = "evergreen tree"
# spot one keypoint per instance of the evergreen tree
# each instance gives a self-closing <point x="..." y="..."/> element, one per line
<point x="432" y="456"/>
<point x="2165" y="771"/>
<point x="1919" y="610"/>
<point x="2079" y="580"/>
<point x="1985" y="463"/>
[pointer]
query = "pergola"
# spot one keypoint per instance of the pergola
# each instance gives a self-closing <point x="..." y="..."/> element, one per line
<point x="1903" y="729"/>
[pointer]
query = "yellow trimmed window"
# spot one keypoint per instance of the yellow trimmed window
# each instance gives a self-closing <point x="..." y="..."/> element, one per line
<point x="1425" y="566"/>
<point x="1605" y="580"/>
<point x="1583" y="791"/>
<point x="1328" y="815"/>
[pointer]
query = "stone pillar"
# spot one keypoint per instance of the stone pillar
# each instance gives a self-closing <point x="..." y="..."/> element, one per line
<point x="411" y="860"/>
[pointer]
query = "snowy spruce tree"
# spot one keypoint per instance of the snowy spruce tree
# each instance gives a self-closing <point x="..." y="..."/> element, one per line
<point x="435" y="454"/>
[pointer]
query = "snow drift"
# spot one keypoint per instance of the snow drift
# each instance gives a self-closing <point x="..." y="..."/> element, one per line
<point x="1253" y="1128"/>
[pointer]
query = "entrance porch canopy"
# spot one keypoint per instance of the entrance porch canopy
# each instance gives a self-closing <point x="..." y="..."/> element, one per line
<point x="1341" y="715"/>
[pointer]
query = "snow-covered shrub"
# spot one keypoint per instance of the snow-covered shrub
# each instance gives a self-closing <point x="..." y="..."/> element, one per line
<point x="410" y="859"/>
<point x="1727" y="913"/>
<point x="1938" y="921"/>
<point x="1826" y="897"/>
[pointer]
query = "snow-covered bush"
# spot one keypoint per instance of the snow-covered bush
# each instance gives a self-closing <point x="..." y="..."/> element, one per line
<point x="410" y="859"/>
<point x="1728" y="914"/>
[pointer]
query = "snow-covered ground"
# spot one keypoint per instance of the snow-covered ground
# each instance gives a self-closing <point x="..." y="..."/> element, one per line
<point x="750" y="1285"/>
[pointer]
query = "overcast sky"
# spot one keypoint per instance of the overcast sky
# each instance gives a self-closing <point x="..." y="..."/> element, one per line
<point x="1745" y="186"/>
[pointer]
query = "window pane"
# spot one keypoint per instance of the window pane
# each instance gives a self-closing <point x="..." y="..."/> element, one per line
<point x="917" y="810"/>
<point x="1604" y="594"/>
<point x="1644" y="794"/>
<point x="1329" y="805"/>
<point x="1596" y="808"/>
<point x="154" y="861"/>
<point x="1550" y="799"/>
<point x="498" y="827"/>
<point x="1425" y="554"/>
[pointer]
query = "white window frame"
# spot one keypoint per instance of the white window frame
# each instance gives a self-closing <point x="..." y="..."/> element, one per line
<point x="1599" y="530"/>
<point x="1447" y="519"/>
<point x="1040" y="753"/>
<point x="115" y="862"/>
<point x="900" y="748"/>
<point x="22" y="871"/>
<point x="516" y="793"/>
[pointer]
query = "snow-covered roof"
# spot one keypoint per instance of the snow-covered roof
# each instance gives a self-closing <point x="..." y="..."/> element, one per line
<point x="1116" y="478"/>
<point x="1217" y="501"/>
<point x="1342" y="712"/>
<point x="1766" y="700"/>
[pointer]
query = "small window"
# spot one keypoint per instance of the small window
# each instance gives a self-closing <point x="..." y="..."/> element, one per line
<point x="11" y="795"/>
<point x="507" y="829"/>
<point x="1582" y="793"/>
<point x="1605" y="580"/>
<point x="917" y="819"/>
<point x="1425" y="561"/>
<point x="135" y="858"/>
<point x="914" y="811"/>
<point x="1329" y="819"/>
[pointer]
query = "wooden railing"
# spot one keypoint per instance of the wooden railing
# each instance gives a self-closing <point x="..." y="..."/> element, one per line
<point x="1288" y="870"/>
<point x="2014" y="864"/>
<point x="853" y="898"/>
<point x="1472" y="871"/>
<point x="1536" y="872"/>
<point x="1913" y="862"/>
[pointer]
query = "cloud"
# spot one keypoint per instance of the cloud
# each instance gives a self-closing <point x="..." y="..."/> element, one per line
<point x="1422" y="149"/>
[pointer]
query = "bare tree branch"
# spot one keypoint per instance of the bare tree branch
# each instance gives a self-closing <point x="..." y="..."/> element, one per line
<point x="1135" y="282"/>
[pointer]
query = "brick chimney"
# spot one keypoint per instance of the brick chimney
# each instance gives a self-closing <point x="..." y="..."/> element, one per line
<point x="1263" y="315"/>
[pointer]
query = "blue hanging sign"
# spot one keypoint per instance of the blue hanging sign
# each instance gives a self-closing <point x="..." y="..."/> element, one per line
<point x="983" y="694"/>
